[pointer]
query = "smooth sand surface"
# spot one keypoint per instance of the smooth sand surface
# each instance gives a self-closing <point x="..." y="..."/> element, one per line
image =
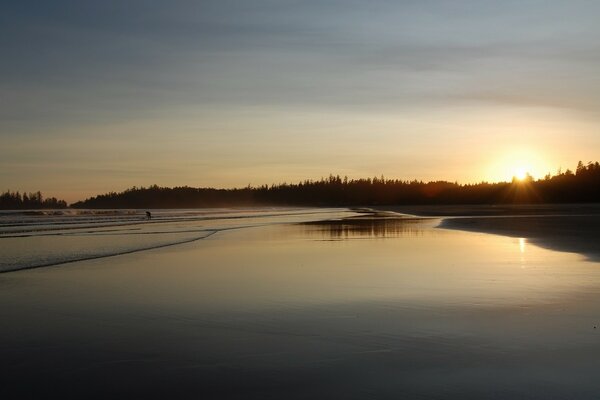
<point x="497" y="209"/>
<point x="576" y="234"/>
<point x="572" y="227"/>
<point x="380" y="308"/>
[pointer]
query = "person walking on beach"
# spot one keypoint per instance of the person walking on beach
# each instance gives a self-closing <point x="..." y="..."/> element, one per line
<point x="148" y="215"/>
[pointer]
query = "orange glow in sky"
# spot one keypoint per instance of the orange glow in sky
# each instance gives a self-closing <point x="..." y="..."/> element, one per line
<point x="218" y="94"/>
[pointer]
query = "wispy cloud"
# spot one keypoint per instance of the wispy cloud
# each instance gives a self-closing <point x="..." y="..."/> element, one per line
<point x="71" y="66"/>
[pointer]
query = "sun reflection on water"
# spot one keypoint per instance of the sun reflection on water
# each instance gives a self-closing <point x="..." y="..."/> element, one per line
<point x="522" y="245"/>
<point x="522" y="251"/>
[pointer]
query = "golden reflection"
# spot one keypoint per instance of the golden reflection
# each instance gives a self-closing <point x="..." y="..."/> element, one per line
<point x="522" y="245"/>
<point x="522" y="260"/>
<point x="350" y="228"/>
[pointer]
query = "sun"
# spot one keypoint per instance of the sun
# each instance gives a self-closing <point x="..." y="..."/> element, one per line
<point x="520" y="173"/>
<point x="519" y="164"/>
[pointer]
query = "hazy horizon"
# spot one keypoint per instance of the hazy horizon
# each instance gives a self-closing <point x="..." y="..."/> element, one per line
<point x="324" y="177"/>
<point x="99" y="97"/>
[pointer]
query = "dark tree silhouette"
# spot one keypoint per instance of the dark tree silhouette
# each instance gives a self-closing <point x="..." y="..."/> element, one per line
<point x="581" y="186"/>
<point x="15" y="201"/>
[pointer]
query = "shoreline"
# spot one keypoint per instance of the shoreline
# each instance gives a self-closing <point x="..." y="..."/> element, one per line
<point x="301" y="309"/>
<point x="566" y="228"/>
<point x="473" y="210"/>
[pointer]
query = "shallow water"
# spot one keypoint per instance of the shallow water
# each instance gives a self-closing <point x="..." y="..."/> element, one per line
<point x="30" y="239"/>
<point x="355" y="308"/>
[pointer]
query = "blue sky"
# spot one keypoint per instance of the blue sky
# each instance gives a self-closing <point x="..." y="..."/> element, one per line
<point x="99" y="96"/>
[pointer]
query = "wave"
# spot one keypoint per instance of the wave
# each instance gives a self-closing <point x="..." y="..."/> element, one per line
<point x="69" y="258"/>
<point x="40" y="240"/>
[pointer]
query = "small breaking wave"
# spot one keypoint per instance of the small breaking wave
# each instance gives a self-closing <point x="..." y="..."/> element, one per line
<point x="88" y="252"/>
<point x="46" y="238"/>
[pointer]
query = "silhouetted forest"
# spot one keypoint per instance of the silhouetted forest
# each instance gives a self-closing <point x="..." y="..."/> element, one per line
<point x="28" y="201"/>
<point x="583" y="185"/>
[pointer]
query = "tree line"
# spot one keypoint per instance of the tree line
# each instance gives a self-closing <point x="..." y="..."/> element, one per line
<point x="28" y="201"/>
<point x="582" y="185"/>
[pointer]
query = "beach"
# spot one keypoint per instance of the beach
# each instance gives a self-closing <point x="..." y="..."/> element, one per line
<point x="297" y="303"/>
<point x="564" y="227"/>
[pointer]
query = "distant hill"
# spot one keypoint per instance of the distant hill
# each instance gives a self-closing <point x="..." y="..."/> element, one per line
<point x="583" y="185"/>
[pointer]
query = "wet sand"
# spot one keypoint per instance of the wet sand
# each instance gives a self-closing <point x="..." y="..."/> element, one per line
<point x="496" y="209"/>
<point x="570" y="228"/>
<point x="360" y="308"/>
<point x="576" y="234"/>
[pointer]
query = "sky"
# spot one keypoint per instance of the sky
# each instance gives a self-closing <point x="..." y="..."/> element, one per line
<point x="99" y="96"/>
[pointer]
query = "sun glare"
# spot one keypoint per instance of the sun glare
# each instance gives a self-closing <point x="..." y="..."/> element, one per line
<point x="517" y="164"/>
<point x="520" y="173"/>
